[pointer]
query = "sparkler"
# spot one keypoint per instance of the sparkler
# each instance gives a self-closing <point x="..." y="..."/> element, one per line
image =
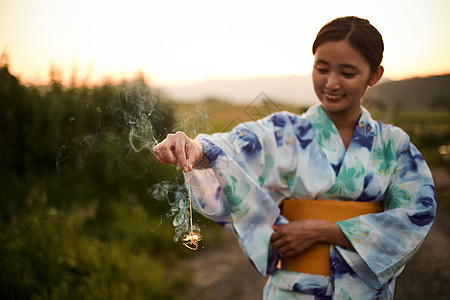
<point x="191" y="239"/>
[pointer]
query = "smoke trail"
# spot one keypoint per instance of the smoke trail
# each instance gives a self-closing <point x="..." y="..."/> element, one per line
<point x="130" y="120"/>
<point x="136" y="110"/>
<point x="177" y="197"/>
<point x="193" y="120"/>
<point x="140" y="116"/>
<point x="139" y="112"/>
<point x="125" y="130"/>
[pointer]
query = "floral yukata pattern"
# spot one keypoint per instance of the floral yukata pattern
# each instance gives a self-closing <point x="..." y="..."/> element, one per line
<point x="258" y="164"/>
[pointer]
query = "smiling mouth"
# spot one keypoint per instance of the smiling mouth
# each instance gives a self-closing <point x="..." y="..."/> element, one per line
<point x="331" y="97"/>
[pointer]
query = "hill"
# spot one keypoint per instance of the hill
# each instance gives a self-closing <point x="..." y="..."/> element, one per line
<point x="413" y="93"/>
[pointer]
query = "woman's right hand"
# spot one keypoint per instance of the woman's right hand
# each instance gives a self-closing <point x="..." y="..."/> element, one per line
<point x="180" y="150"/>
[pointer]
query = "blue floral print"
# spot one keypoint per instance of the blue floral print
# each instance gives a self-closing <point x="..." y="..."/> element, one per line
<point x="258" y="164"/>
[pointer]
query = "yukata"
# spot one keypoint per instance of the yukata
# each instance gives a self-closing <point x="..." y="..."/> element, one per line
<point x="258" y="164"/>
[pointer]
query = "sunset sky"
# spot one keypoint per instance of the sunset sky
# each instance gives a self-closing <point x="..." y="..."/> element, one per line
<point x="179" y="42"/>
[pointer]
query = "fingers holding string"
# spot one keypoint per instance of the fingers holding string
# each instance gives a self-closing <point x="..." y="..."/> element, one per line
<point x="174" y="149"/>
<point x="181" y="153"/>
<point x="187" y="151"/>
<point x="194" y="152"/>
<point x="164" y="154"/>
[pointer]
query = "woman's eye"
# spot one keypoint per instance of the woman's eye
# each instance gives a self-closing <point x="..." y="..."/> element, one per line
<point x="321" y="70"/>
<point x="349" y="75"/>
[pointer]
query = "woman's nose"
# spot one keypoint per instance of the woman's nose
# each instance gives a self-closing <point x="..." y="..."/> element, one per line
<point x="333" y="82"/>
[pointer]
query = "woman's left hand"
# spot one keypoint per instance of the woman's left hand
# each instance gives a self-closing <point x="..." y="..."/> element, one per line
<point x="294" y="237"/>
<point x="297" y="236"/>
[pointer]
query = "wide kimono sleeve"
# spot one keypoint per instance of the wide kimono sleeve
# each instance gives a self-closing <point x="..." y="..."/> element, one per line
<point x="231" y="192"/>
<point x="384" y="242"/>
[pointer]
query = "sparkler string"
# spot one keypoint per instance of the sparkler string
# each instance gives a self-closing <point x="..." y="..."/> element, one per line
<point x="190" y="201"/>
<point x="191" y="240"/>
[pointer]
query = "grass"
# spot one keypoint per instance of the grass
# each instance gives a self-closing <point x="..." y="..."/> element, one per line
<point x="66" y="254"/>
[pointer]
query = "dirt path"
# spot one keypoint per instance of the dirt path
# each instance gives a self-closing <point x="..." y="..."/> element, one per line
<point x="427" y="275"/>
<point x="225" y="273"/>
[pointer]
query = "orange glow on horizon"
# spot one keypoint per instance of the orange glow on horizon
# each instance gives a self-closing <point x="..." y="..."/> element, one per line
<point x="177" y="43"/>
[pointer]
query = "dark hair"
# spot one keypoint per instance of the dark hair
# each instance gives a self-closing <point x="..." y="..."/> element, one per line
<point x="362" y="35"/>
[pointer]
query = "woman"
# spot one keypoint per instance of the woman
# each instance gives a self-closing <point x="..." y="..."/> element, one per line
<point x="334" y="151"/>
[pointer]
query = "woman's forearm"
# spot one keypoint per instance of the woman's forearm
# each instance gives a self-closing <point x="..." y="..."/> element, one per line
<point x="331" y="233"/>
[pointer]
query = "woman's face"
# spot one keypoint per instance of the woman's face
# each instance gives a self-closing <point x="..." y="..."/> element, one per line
<point x="341" y="76"/>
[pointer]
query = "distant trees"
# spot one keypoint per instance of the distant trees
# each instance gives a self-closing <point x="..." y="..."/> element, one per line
<point x="75" y="217"/>
<point x="56" y="132"/>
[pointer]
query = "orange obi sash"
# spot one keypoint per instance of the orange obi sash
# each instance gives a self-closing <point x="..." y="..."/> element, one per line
<point x="316" y="259"/>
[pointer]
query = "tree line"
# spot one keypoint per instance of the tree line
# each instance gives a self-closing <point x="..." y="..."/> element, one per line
<point x="76" y="219"/>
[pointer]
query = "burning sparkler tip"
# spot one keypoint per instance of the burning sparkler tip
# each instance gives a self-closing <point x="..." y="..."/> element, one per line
<point x="191" y="241"/>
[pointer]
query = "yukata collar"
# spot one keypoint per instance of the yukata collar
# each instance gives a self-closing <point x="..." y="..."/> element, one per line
<point x="349" y="164"/>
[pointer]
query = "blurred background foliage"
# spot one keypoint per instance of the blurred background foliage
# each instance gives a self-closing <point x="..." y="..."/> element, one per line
<point x="76" y="217"/>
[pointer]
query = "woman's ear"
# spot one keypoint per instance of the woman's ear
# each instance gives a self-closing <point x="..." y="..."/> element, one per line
<point x="375" y="77"/>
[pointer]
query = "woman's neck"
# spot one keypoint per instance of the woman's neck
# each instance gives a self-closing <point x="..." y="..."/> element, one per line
<point x="344" y="121"/>
<point x="345" y="124"/>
